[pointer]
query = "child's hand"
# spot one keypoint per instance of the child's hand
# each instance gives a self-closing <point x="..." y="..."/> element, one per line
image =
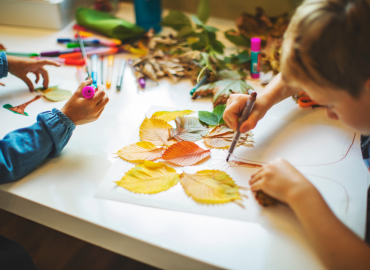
<point x="280" y="180"/>
<point x="20" y="67"/>
<point x="81" y="110"/>
<point x="235" y="106"/>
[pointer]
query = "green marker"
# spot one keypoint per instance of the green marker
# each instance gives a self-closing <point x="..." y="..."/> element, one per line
<point x="199" y="84"/>
<point x="22" y="54"/>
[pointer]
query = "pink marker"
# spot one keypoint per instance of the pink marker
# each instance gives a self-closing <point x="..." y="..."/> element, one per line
<point x="88" y="92"/>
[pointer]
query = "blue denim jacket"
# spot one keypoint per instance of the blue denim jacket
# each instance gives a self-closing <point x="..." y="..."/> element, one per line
<point x="24" y="149"/>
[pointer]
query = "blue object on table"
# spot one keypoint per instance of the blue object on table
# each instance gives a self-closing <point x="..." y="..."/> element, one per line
<point x="199" y="84"/>
<point x="94" y="68"/>
<point x="149" y="14"/>
<point x="67" y="40"/>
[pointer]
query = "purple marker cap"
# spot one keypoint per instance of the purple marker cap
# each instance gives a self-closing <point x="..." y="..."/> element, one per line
<point x="88" y="92"/>
<point x="142" y="82"/>
<point x="255" y="44"/>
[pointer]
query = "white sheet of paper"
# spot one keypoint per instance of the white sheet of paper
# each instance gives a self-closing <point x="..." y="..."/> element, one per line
<point x="307" y="146"/>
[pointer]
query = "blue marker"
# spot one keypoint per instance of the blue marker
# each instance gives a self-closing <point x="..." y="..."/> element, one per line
<point x="94" y="68"/>
<point x="67" y="40"/>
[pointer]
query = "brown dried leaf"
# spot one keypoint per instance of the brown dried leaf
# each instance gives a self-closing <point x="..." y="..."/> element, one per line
<point x="221" y="137"/>
<point x="264" y="199"/>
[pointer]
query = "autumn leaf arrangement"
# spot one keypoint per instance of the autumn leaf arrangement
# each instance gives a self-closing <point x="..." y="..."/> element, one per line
<point x="176" y="146"/>
<point x="53" y="93"/>
<point x="193" y="52"/>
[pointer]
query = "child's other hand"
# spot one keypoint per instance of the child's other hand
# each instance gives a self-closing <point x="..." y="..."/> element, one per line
<point x="280" y="180"/>
<point x="234" y="107"/>
<point x="20" y="67"/>
<point x="81" y="110"/>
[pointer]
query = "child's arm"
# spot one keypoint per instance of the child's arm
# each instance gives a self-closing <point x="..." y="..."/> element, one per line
<point x="338" y="246"/>
<point x="24" y="149"/>
<point x="274" y="92"/>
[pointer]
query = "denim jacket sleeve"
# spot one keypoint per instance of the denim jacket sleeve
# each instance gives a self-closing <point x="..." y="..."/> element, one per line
<point x="24" y="149"/>
<point x="3" y="65"/>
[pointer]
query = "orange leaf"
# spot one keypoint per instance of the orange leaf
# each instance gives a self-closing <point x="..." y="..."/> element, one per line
<point x="185" y="153"/>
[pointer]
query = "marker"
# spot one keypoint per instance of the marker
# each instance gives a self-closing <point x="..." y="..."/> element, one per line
<point x="110" y="70"/>
<point x="22" y="54"/>
<point x="83" y="52"/>
<point x="244" y="116"/>
<point x="67" y="62"/>
<point x="58" y="53"/>
<point x="67" y="40"/>
<point x="102" y="70"/>
<point x="88" y="91"/>
<point x="72" y="45"/>
<point x="98" y="51"/>
<point x="94" y="68"/>
<point x="80" y="75"/>
<point x="120" y="75"/>
<point x="141" y="80"/>
<point x="199" y="84"/>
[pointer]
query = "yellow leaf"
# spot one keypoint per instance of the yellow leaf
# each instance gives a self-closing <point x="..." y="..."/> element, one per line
<point x="155" y="131"/>
<point x="210" y="187"/>
<point x="54" y="93"/>
<point x="140" y="151"/>
<point x="169" y="116"/>
<point x="149" y="178"/>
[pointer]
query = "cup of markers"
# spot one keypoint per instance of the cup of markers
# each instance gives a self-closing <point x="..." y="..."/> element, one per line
<point x="89" y="91"/>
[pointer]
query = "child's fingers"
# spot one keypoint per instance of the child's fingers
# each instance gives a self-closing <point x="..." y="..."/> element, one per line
<point x="99" y="94"/>
<point x="250" y="123"/>
<point x="101" y="111"/>
<point x="103" y="102"/>
<point x="47" y="62"/>
<point x="257" y="186"/>
<point x="255" y="178"/>
<point x="82" y="85"/>
<point x="27" y="81"/>
<point x="235" y="106"/>
<point x="37" y="77"/>
<point x="44" y="75"/>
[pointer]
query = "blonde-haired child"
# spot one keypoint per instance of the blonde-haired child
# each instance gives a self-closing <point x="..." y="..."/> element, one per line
<point x="326" y="54"/>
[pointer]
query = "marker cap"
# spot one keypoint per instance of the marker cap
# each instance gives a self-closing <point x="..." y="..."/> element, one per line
<point x="88" y="92"/>
<point x="255" y="44"/>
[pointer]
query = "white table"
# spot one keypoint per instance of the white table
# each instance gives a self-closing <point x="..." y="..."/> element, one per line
<point x="60" y="193"/>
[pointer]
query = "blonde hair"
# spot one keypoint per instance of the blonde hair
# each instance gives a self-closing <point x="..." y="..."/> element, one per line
<point x="327" y="44"/>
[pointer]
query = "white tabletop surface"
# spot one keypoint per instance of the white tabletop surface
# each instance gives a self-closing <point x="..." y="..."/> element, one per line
<point x="60" y="193"/>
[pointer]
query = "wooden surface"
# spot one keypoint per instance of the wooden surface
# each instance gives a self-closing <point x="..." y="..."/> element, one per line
<point x="51" y="249"/>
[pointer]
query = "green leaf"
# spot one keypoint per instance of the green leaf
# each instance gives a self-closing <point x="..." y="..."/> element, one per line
<point x="196" y="20"/>
<point x="217" y="47"/>
<point x="210" y="28"/>
<point x="176" y="20"/>
<point x="203" y="10"/>
<point x="222" y="90"/>
<point x="231" y="74"/>
<point x="186" y="30"/>
<point x="219" y="112"/>
<point x="208" y="118"/>
<point x="238" y="59"/>
<point x="237" y="39"/>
